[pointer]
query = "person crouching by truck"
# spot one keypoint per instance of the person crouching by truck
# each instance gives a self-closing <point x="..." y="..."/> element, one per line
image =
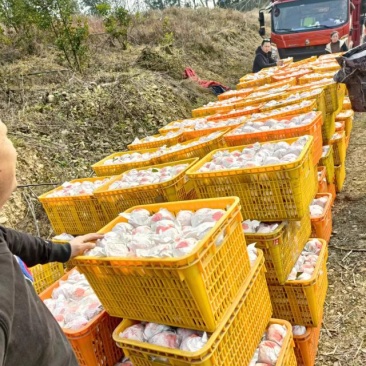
<point x="336" y="45"/>
<point x="263" y="57"/>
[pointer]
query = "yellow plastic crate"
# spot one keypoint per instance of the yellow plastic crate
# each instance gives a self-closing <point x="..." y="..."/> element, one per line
<point x="255" y="100"/>
<point x="340" y="126"/>
<point x="306" y="346"/>
<point x="207" y="111"/>
<point x="282" y="247"/>
<point x="168" y="141"/>
<point x="348" y="138"/>
<point x="235" y="93"/>
<point x="319" y="97"/>
<point x="246" y="111"/>
<point x="113" y="169"/>
<point x="312" y="77"/>
<point x="303" y="62"/>
<point x="346" y="103"/>
<point x="76" y="215"/>
<point x="346" y="116"/>
<point x="172" y="126"/>
<point x="45" y="275"/>
<point x="289" y="81"/>
<point x="349" y="127"/>
<point x="328" y="128"/>
<point x="333" y="92"/>
<point x="232" y="343"/>
<point x="286" y="73"/>
<point x="340" y="176"/>
<point x="341" y="93"/>
<point x="329" y="66"/>
<point x="329" y="56"/>
<point x="245" y="83"/>
<point x="339" y="148"/>
<point x="334" y="96"/>
<point x="301" y="302"/>
<point x="179" y="188"/>
<point x="328" y="162"/>
<point x="245" y="92"/>
<point x="282" y="112"/>
<point x="190" y="134"/>
<point x="314" y="129"/>
<point x="194" y="291"/>
<point x="270" y="193"/>
<point x="197" y="151"/>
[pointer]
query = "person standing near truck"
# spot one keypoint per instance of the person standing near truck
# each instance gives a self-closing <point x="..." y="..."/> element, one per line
<point x="263" y="57"/>
<point x="336" y="45"/>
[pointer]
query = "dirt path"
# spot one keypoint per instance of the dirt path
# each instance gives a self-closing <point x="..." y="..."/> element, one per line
<point x="343" y="335"/>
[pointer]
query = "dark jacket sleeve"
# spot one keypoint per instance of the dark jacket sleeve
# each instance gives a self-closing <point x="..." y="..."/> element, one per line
<point x="344" y="47"/>
<point x="261" y="62"/>
<point x="272" y="60"/>
<point x="33" y="250"/>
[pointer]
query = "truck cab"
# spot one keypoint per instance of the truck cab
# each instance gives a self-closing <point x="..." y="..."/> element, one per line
<point x="302" y="28"/>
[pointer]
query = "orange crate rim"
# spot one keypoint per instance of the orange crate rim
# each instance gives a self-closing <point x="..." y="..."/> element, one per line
<point x="169" y="141"/>
<point x="313" y="129"/>
<point x="321" y="226"/>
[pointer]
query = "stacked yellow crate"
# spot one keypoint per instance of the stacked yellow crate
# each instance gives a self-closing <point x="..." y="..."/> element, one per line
<point x="300" y="302"/>
<point x="214" y="289"/>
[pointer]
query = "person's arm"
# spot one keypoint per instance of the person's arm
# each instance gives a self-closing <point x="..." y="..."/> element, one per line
<point x="262" y="64"/>
<point x="344" y="47"/>
<point x="271" y="60"/>
<point x="33" y="250"/>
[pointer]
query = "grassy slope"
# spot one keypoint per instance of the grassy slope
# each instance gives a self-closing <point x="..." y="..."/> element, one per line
<point x="123" y="94"/>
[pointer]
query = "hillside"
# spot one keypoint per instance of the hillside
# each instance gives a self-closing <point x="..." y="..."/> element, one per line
<point x="62" y="122"/>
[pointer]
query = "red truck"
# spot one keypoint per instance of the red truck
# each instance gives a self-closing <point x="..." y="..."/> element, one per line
<point x="302" y="28"/>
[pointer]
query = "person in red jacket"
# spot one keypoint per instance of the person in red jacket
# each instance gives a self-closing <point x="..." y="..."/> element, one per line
<point x="29" y="335"/>
<point x="263" y="57"/>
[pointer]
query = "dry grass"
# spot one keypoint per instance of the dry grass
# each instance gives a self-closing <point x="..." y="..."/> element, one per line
<point x="122" y="94"/>
<point x="226" y="39"/>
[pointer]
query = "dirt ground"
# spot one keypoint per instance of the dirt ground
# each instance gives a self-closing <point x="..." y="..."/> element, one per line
<point x="343" y="334"/>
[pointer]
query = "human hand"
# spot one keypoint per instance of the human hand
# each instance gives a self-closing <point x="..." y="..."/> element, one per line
<point x="280" y="63"/>
<point x="81" y="244"/>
